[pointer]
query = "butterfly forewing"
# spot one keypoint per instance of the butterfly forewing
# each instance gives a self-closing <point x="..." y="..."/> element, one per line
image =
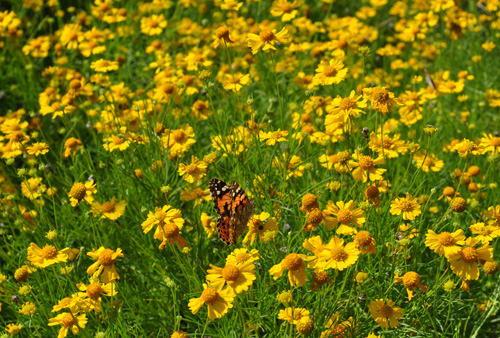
<point x="221" y="196"/>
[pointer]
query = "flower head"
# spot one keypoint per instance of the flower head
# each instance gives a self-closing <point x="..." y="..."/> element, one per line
<point x="385" y="313"/>
<point x="218" y="300"/>
<point x="105" y="264"/>
<point x="266" y="39"/>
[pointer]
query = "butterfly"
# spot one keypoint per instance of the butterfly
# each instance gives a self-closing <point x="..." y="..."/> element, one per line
<point x="234" y="209"/>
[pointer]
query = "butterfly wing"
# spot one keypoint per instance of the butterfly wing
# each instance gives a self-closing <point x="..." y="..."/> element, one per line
<point x="221" y="197"/>
<point x="241" y="211"/>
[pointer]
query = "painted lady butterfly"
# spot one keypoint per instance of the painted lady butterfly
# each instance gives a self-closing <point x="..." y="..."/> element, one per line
<point x="234" y="209"/>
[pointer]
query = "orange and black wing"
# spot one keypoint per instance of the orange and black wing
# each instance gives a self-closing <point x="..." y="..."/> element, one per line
<point x="221" y="196"/>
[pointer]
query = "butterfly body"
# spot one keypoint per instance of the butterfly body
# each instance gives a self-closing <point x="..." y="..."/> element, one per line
<point x="233" y="207"/>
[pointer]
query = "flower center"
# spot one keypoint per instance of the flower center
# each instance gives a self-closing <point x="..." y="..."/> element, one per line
<point x="330" y="71"/>
<point x="68" y="320"/>
<point x="429" y="162"/>
<point x="242" y="257"/>
<point x="338" y="254"/>
<point x="365" y="162"/>
<point x="344" y="216"/>
<point x="347" y="104"/>
<point x="108" y="207"/>
<point x="293" y="262"/>
<point x="266" y="35"/>
<point x="118" y="140"/>
<point x="386" y="311"/>
<point x="258" y="226"/>
<point x="78" y="191"/>
<point x="321" y="278"/>
<point x="168" y="88"/>
<point x="106" y="257"/>
<point x="363" y="238"/>
<point x="315" y="216"/>
<point x="449" y="192"/>
<point x="199" y="105"/>
<point x="309" y="202"/>
<point x="49" y="252"/>
<point x="171" y="230"/>
<point x="372" y="192"/>
<point x="343" y="157"/>
<point x="179" y="135"/>
<point x="209" y="295"/>
<point x="469" y="254"/>
<point x="230" y="272"/>
<point x="445" y="239"/>
<point x="222" y="32"/>
<point x="406" y="206"/>
<point x="411" y="279"/>
<point x="94" y="290"/>
<point x="191" y="169"/>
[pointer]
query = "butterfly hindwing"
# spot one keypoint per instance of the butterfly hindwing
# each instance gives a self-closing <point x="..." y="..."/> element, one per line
<point x="223" y="227"/>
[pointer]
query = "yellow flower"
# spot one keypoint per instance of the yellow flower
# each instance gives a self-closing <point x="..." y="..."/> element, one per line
<point x="411" y="280"/>
<point x="91" y="294"/>
<point x="336" y="256"/>
<point x="328" y="73"/>
<point x="466" y="147"/>
<point x="237" y="277"/>
<point x="262" y="225"/>
<point x="284" y="297"/>
<point x="273" y="136"/>
<point x="235" y="82"/>
<point x="429" y="162"/>
<point x="385" y="313"/>
<point x="242" y="255"/>
<point x="219" y="301"/>
<point x="71" y="146"/>
<point x="153" y="25"/>
<point x="365" y="167"/>
<point x="208" y="225"/>
<point x="296" y="269"/>
<point x="409" y="206"/>
<point x="27" y="309"/>
<point x="68" y="321"/>
<point x="33" y="188"/>
<point x="104" y="66"/>
<point x="485" y="233"/>
<point x="285" y="9"/>
<point x="38" y="47"/>
<point x="267" y="39"/>
<point x="47" y="256"/>
<point x="348" y="106"/>
<point x="380" y="98"/>
<point x="445" y="243"/>
<point x="345" y="214"/>
<point x="82" y="192"/>
<point x="464" y="262"/>
<point x="193" y="172"/>
<point x="38" y="148"/>
<point x="116" y="142"/>
<point x="222" y="34"/>
<point x="105" y="264"/>
<point x="293" y="314"/>
<point x="490" y="143"/>
<point x="111" y="210"/>
<point x="13" y="328"/>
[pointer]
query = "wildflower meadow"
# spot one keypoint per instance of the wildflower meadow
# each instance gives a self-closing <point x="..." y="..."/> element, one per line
<point x="231" y="168"/>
